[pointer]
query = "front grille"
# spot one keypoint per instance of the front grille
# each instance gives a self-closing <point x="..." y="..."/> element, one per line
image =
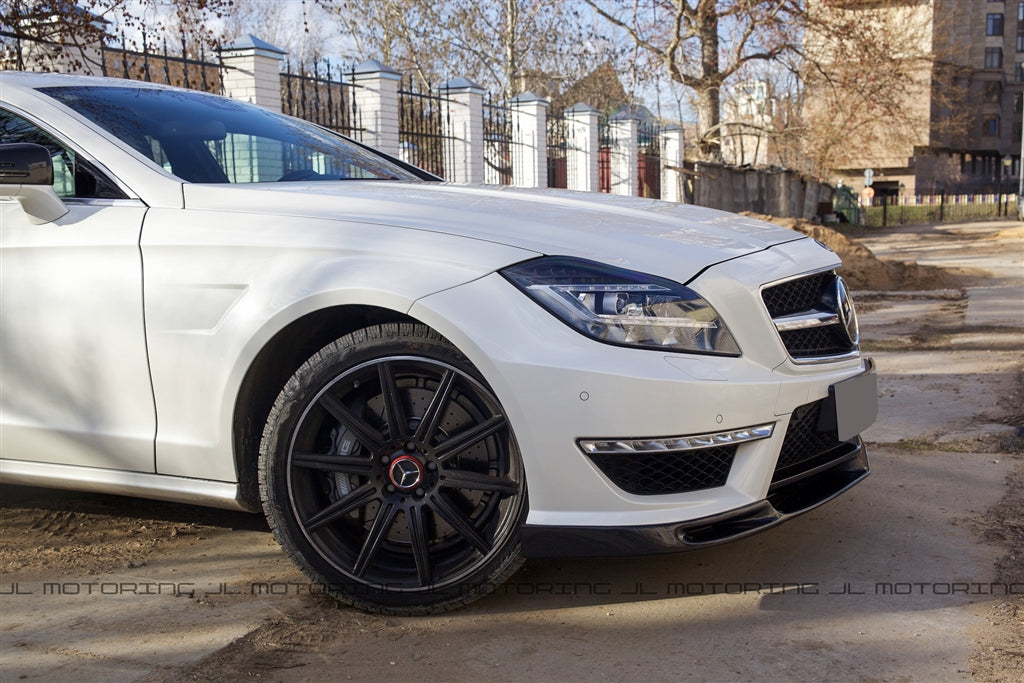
<point x="815" y="342"/>
<point x="654" y="474"/>
<point x="813" y="295"/>
<point x="805" y="448"/>
<point x="798" y="295"/>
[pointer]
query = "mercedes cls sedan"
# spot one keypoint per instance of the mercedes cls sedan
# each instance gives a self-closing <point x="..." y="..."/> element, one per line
<point x="419" y="384"/>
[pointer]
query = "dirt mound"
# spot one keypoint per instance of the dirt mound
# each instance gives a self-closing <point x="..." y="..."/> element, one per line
<point x="862" y="269"/>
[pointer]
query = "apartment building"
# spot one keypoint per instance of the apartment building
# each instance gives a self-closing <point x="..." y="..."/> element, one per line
<point x="965" y="105"/>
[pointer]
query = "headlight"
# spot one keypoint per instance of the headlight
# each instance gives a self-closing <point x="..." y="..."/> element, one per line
<point x="623" y="307"/>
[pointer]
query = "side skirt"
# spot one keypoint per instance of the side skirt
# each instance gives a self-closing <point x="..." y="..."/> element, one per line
<point x="217" y="494"/>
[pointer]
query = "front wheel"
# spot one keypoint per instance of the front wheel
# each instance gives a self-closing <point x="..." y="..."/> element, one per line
<point x="389" y="473"/>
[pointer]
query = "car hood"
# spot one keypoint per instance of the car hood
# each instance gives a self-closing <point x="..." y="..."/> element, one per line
<point x="666" y="238"/>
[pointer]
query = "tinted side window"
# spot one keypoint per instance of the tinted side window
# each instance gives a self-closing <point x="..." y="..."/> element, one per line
<point x="73" y="176"/>
<point x="207" y="139"/>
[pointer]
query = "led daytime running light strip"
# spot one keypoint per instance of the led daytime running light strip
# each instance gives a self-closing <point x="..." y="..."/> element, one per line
<point x="677" y="443"/>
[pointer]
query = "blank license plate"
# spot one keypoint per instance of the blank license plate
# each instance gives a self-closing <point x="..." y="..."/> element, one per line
<point x="856" y="401"/>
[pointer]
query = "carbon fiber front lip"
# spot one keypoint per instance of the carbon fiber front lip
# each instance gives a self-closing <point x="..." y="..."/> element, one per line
<point x="781" y="505"/>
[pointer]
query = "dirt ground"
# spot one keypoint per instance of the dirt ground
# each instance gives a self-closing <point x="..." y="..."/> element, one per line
<point x="916" y="574"/>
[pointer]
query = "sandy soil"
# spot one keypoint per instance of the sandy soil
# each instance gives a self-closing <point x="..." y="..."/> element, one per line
<point x="583" y="618"/>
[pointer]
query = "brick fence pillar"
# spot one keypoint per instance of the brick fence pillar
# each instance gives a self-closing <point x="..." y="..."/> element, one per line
<point x="464" y="109"/>
<point x="251" y="71"/>
<point x="530" y="140"/>
<point x="671" y="140"/>
<point x="582" y="153"/>
<point x="377" y="101"/>
<point x="623" y="154"/>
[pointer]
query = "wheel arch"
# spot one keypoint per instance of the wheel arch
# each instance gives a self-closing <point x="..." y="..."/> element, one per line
<point x="273" y="365"/>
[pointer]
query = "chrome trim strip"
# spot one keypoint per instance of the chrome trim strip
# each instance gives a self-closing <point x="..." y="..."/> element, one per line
<point x="817" y="360"/>
<point x="801" y="321"/>
<point x="676" y="443"/>
<point x="218" y="494"/>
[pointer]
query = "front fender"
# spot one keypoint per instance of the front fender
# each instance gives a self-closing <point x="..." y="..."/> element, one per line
<point x="220" y="285"/>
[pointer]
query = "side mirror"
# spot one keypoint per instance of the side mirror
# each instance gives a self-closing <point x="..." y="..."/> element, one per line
<point x="26" y="174"/>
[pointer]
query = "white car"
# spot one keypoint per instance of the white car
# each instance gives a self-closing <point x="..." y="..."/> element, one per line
<point x="420" y="384"/>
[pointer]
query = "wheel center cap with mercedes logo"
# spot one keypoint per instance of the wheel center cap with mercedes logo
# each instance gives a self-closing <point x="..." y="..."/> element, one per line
<point x="405" y="472"/>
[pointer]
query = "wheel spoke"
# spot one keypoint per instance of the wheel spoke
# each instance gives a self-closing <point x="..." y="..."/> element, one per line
<point x="365" y="433"/>
<point x="460" y="523"/>
<point x="394" y="414"/>
<point x="332" y="463"/>
<point x="464" y="479"/>
<point x="432" y="416"/>
<point x="344" y="505"/>
<point x="336" y="502"/>
<point x="463" y="440"/>
<point x="374" y="540"/>
<point x="420" y="547"/>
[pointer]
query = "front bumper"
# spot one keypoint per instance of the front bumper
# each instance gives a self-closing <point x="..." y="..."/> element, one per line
<point x="783" y="503"/>
<point x="560" y="390"/>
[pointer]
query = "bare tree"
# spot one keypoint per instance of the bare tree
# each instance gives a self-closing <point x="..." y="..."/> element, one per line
<point x="846" y="74"/>
<point x="300" y="29"/>
<point x="85" y="24"/>
<point x="504" y="44"/>
<point x="701" y="44"/>
<point x="869" y="76"/>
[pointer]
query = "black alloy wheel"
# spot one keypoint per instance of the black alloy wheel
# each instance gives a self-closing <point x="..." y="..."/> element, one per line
<point x="389" y="472"/>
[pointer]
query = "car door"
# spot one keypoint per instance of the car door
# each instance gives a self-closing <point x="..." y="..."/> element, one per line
<point x="74" y="376"/>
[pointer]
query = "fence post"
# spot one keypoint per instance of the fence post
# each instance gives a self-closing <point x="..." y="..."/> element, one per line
<point x="671" y="139"/>
<point x="623" y="157"/>
<point x="581" y="157"/>
<point x="464" y="120"/>
<point x="376" y="98"/>
<point x="530" y="135"/>
<point x="251" y="71"/>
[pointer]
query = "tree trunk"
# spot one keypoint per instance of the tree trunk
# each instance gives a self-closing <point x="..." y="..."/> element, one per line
<point x="708" y="90"/>
<point x="511" y="61"/>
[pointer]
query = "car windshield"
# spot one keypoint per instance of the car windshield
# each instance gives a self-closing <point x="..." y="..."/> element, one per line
<point x="203" y="138"/>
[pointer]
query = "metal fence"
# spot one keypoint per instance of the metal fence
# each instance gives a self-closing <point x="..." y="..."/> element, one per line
<point x="160" y="66"/>
<point x="604" y="155"/>
<point x="649" y="161"/>
<point x="312" y="93"/>
<point x="558" y="145"/>
<point x="896" y="210"/>
<point x="321" y="93"/>
<point x="422" y="128"/>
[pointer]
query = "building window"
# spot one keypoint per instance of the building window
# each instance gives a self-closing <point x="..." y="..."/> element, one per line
<point x="991" y="127"/>
<point x="993" y="58"/>
<point x="1019" y="72"/>
<point x="994" y="25"/>
<point x="1020" y="11"/>
<point x="1020" y="36"/>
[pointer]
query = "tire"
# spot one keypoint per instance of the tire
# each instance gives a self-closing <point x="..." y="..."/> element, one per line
<point x="390" y="474"/>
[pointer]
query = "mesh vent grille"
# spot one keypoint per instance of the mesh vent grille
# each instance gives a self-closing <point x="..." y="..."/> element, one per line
<point x="796" y="295"/>
<point x="651" y="474"/>
<point x="804" y="447"/>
